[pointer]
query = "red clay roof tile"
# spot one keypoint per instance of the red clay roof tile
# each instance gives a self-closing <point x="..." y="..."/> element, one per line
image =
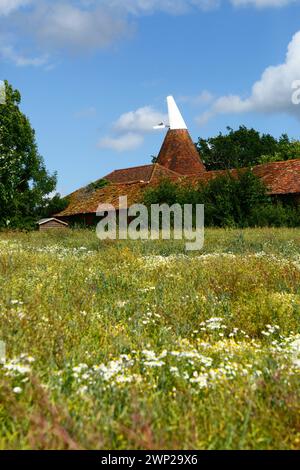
<point x="129" y="175"/>
<point x="143" y="173"/>
<point x="179" y="153"/>
<point x="279" y="177"/>
<point x="82" y="202"/>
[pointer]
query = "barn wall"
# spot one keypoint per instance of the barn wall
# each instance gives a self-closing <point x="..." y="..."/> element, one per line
<point x="287" y="199"/>
<point x="52" y="225"/>
<point x="84" y="220"/>
<point x="81" y="220"/>
<point x="297" y="199"/>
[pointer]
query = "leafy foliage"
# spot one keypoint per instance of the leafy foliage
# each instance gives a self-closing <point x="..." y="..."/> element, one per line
<point x="24" y="180"/>
<point x="166" y="192"/>
<point x="287" y="150"/>
<point x="229" y="201"/>
<point x="52" y="206"/>
<point x="245" y="147"/>
<point x="274" y="215"/>
<point x="101" y="183"/>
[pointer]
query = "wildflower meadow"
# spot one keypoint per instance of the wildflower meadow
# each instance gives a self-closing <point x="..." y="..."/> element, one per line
<point x="142" y="345"/>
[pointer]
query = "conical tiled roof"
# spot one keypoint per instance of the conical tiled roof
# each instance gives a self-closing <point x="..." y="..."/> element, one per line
<point x="178" y="153"/>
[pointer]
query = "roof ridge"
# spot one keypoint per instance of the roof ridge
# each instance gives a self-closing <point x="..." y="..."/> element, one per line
<point x="123" y="183"/>
<point x="132" y="168"/>
<point x="292" y="160"/>
<point x="168" y="169"/>
<point x="48" y="219"/>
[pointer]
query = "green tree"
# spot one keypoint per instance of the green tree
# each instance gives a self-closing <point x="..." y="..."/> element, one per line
<point x="52" y="206"/>
<point x="230" y="201"/>
<point x="165" y="193"/>
<point x="24" y="180"/>
<point x="287" y="150"/>
<point x="237" y="149"/>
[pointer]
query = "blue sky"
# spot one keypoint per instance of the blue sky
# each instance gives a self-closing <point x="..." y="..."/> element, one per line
<point x="94" y="74"/>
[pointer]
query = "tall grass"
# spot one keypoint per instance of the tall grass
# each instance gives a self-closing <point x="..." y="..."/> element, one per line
<point x="139" y="345"/>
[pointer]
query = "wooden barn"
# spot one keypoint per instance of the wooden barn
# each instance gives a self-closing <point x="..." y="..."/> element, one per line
<point x="51" y="223"/>
<point x="178" y="160"/>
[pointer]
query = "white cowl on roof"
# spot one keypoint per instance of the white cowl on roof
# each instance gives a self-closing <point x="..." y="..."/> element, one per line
<point x="175" y="117"/>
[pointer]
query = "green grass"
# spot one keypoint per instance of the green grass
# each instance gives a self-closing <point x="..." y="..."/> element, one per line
<point x="139" y="345"/>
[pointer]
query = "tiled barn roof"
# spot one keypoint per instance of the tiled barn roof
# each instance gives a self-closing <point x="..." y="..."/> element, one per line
<point x="87" y="202"/>
<point x="129" y="175"/>
<point x="160" y="172"/>
<point x="87" y="199"/>
<point x="178" y="159"/>
<point x="143" y="173"/>
<point x="279" y="178"/>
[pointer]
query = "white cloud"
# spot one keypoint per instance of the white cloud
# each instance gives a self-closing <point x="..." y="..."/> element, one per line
<point x="79" y="26"/>
<point x="62" y="25"/>
<point x="130" y="128"/>
<point x="20" y="60"/>
<point x="86" y="25"/>
<point x="262" y="3"/>
<point x="128" y="141"/>
<point x="271" y="94"/>
<point x="141" y="120"/>
<point x="56" y="26"/>
<point x="8" y="6"/>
